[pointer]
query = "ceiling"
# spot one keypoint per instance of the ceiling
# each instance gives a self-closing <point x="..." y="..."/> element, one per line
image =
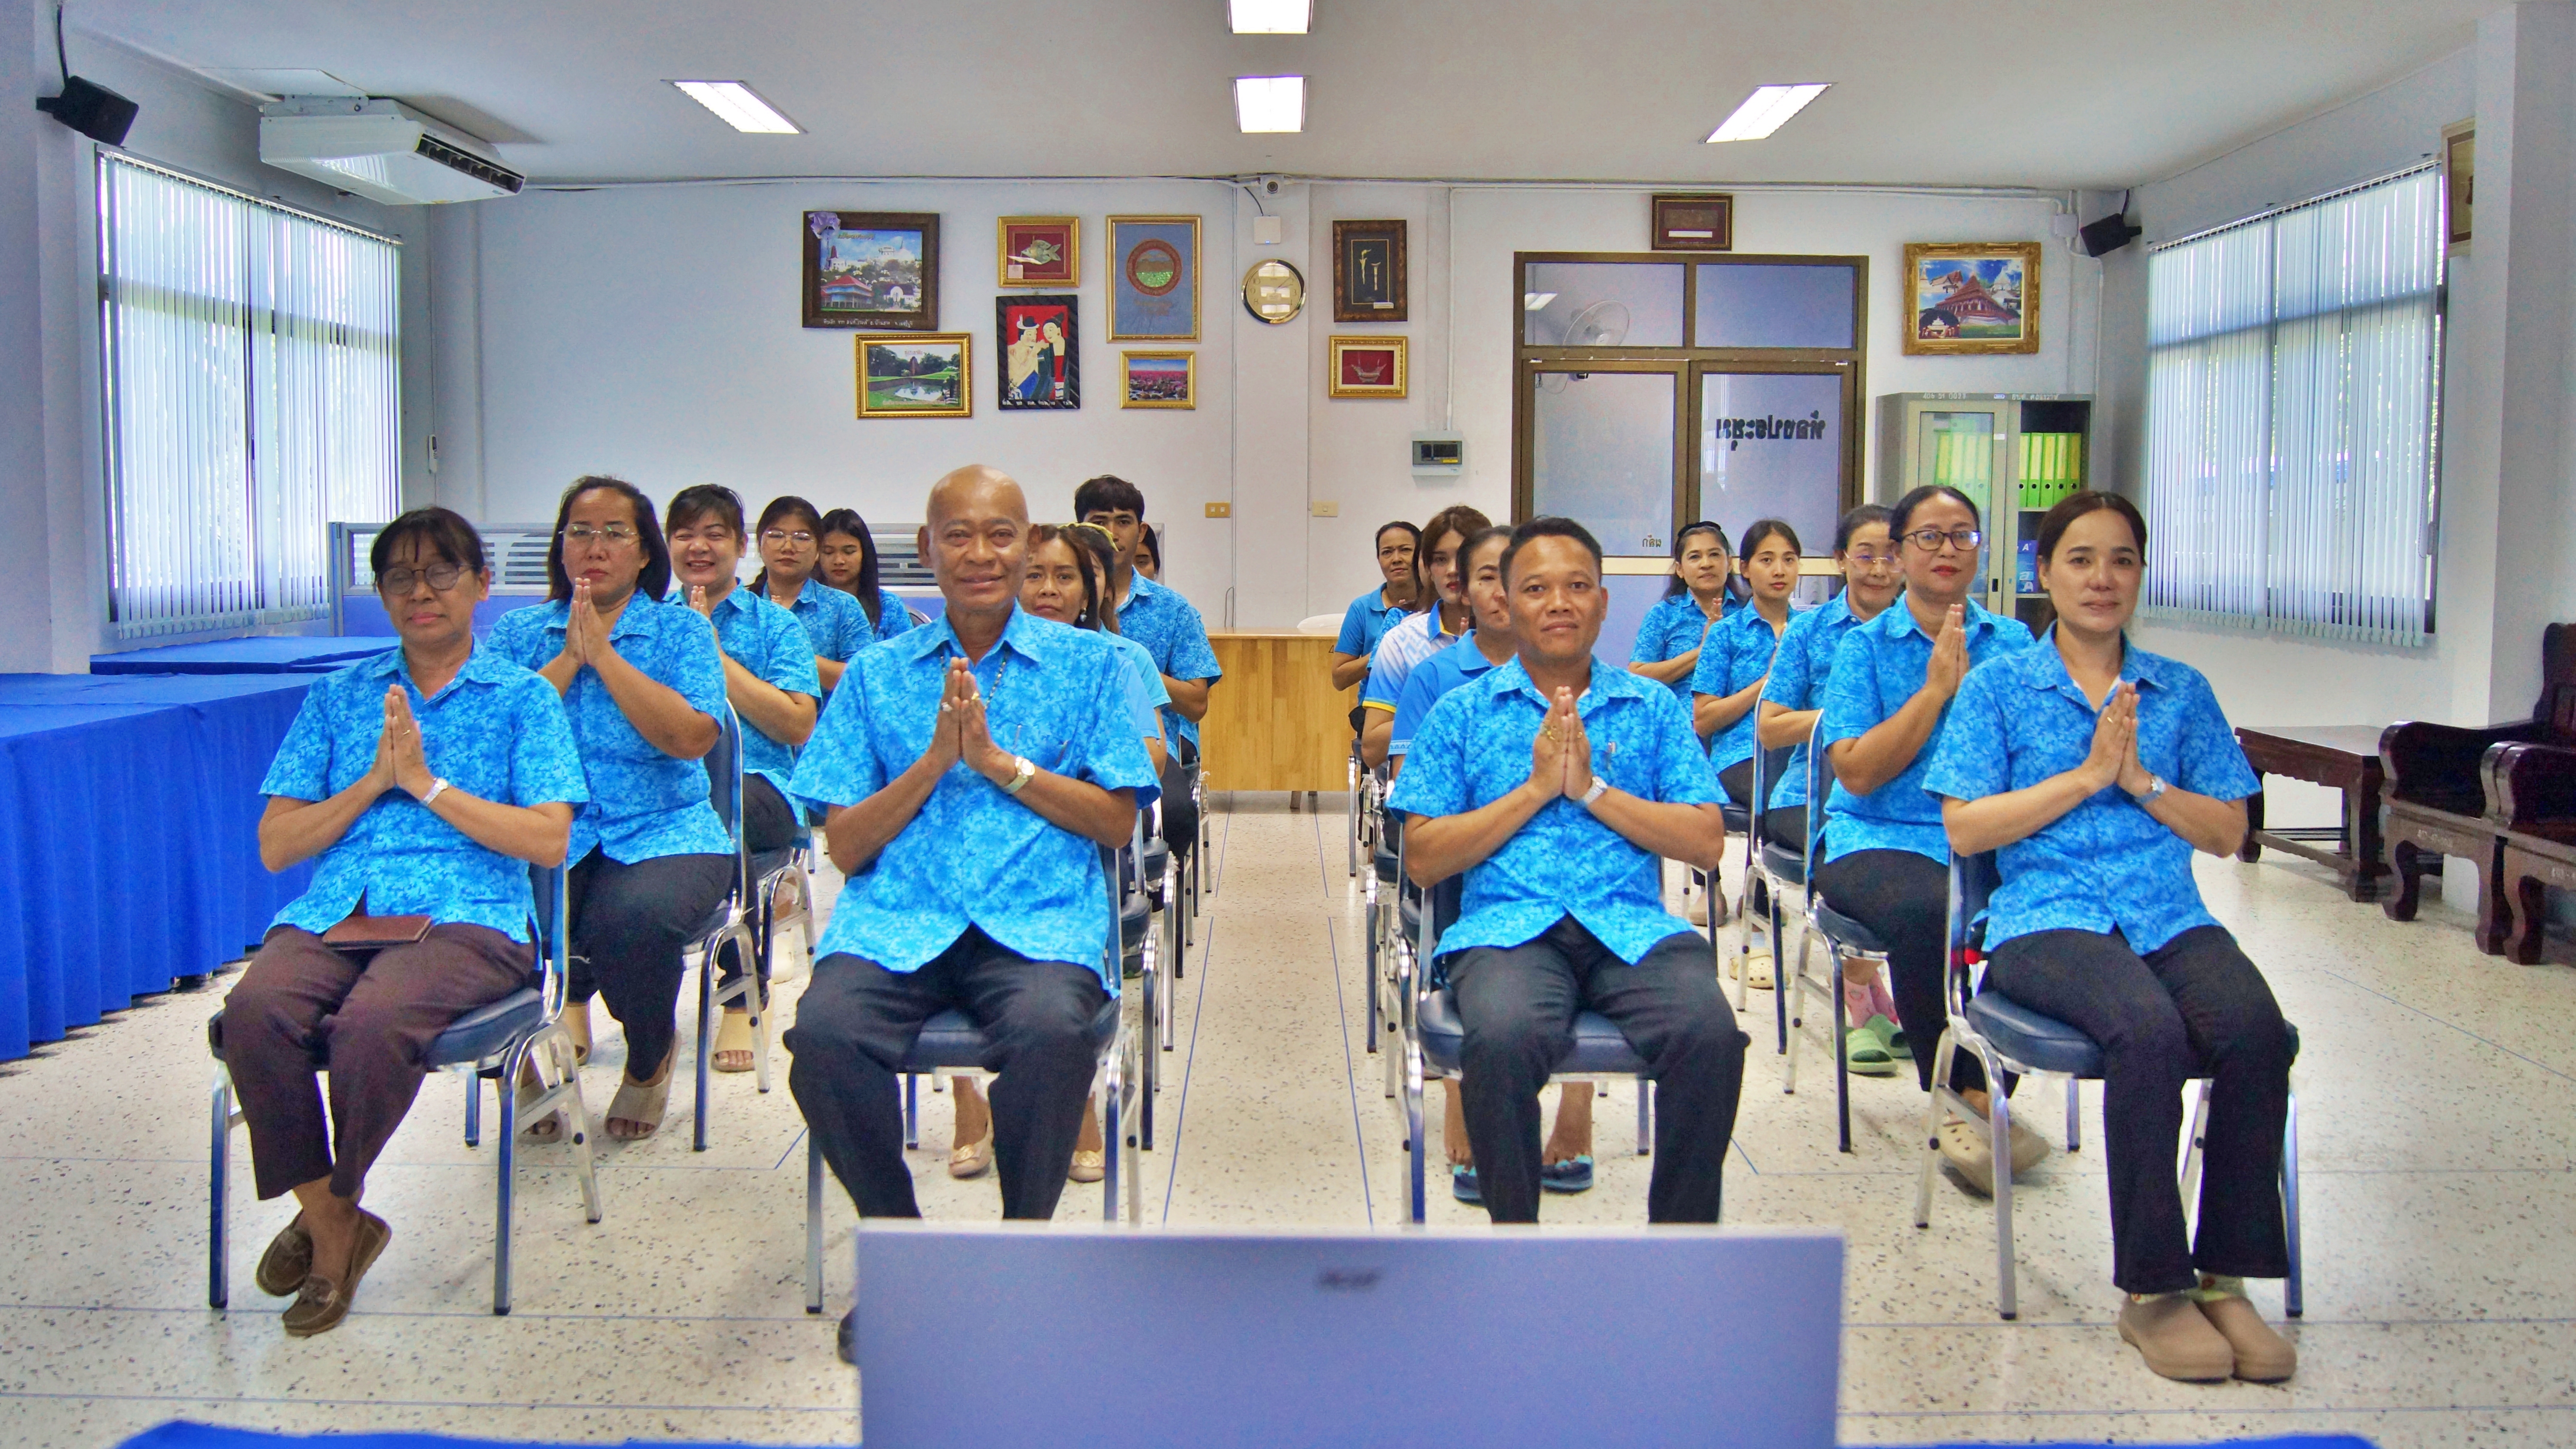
<point x="2047" y="93"/>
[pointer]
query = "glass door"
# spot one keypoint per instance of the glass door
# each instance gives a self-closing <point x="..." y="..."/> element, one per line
<point x="1601" y="453"/>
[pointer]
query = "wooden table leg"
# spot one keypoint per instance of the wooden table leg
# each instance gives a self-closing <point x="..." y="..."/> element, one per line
<point x="2252" y="850"/>
<point x="2357" y="885"/>
<point x="2366" y="847"/>
<point x="2525" y="906"/>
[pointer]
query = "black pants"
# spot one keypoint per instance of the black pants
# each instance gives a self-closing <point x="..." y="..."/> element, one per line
<point x="1904" y="899"/>
<point x="2192" y="1007"/>
<point x="1738" y="782"/>
<point x="1180" y="808"/>
<point x="629" y="923"/>
<point x="857" y="1021"/>
<point x="1786" y="826"/>
<point x="1518" y="1006"/>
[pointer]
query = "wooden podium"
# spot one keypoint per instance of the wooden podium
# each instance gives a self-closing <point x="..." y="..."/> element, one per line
<point x="1275" y="722"/>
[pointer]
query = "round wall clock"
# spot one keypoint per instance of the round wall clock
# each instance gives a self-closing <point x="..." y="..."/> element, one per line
<point x="1274" y="292"/>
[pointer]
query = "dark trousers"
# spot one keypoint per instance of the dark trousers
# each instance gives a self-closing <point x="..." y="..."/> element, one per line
<point x="1180" y="808"/>
<point x="300" y="1004"/>
<point x="1904" y="899"/>
<point x="2192" y="1007"/>
<point x="1786" y="826"/>
<point x="857" y="1021"/>
<point x="1518" y="1006"/>
<point x="1738" y="780"/>
<point x="629" y="924"/>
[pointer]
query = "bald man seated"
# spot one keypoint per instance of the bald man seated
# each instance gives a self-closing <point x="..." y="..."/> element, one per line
<point x="971" y="768"/>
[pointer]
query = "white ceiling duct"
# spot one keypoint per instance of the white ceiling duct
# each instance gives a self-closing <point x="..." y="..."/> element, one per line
<point x="381" y="150"/>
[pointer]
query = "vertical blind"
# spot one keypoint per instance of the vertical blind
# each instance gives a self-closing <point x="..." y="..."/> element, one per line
<point x="2293" y="401"/>
<point x="250" y="363"/>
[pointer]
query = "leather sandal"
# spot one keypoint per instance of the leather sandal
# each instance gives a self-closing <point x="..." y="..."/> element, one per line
<point x="732" y="1052"/>
<point x="288" y="1261"/>
<point x="973" y="1159"/>
<point x="642" y="1103"/>
<point x="1089" y="1164"/>
<point x="321" y="1303"/>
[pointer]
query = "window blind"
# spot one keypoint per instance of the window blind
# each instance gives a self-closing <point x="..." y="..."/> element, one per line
<point x="2293" y="400"/>
<point x="250" y="368"/>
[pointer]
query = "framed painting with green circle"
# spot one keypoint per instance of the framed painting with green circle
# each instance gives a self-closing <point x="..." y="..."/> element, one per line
<point x="1153" y="278"/>
<point x="905" y="376"/>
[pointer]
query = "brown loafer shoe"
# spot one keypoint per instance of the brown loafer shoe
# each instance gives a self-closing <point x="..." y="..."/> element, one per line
<point x="2177" y="1342"/>
<point x="2263" y="1356"/>
<point x="322" y="1303"/>
<point x="283" y="1268"/>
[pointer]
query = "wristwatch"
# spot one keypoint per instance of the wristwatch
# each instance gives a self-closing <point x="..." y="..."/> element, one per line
<point x="1023" y="770"/>
<point x="437" y="787"/>
<point x="2155" y="790"/>
<point x="1600" y="787"/>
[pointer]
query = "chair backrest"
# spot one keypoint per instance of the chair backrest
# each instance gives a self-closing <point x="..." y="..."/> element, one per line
<point x="1973" y="882"/>
<point x="724" y="791"/>
<point x="1112" y="869"/>
<point x="1820" y="784"/>
<point x="1767" y="765"/>
<point x="2556" y="706"/>
<point x="551" y="920"/>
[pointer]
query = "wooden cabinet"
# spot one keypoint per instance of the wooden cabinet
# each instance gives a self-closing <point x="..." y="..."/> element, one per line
<point x="1275" y="722"/>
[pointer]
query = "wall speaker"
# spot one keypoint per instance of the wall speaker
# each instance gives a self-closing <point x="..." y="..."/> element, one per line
<point x="91" y="109"/>
<point x="2109" y="235"/>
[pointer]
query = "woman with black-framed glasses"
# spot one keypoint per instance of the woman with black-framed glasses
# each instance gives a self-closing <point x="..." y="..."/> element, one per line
<point x="1886" y="857"/>
<point x="790" y="538"/>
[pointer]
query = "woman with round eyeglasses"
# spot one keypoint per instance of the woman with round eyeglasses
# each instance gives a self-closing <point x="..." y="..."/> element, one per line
<point x="849" y="563"/>
<point x="643" y="684"/>
<point x="1793" y="698"/>
<point x="1886" y="859"/>
<point x="790" y="535"/>
<point x="427" y="779"/>
<point x="2096" y="769"/>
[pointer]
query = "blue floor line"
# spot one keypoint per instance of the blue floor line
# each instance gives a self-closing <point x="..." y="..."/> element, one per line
<point x="1342" y="1013"/>
<point x="1198" y="1013"/>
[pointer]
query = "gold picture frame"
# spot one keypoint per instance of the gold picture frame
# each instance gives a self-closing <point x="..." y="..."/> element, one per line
<point x="1970" y="299"/>
<point x="1045" y="250"/>
<point x="894" y="384"/>
<point x="1154" y="386"/>
<point x="1367" y="366"/>
<point x="1153" y="278"/>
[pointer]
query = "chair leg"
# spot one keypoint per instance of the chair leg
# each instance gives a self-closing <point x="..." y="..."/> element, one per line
<point x="219" y="1194"/>
<point x="1150" y="968"/>
<point x="1932" y="1127"/>
<point x="2294" y="1298"/>
<point x="2074" y="1114"/>
<point x="813" y="1223"/>
<point x="1415" y="1147"/>
<point x="912" y="1111"/>
<point x="708" y="1010"/>
<point x="474" y="1108"/>
<point x="2000" y="1105"/>
<point x="1645" y="1115"/>
<point x="584" y="1164"/>
<point x="2194" y="1138"/>
<point x="509" y="1160"/>
<point x="1112" y="1138"/>
<point x="1842" y="1053"/>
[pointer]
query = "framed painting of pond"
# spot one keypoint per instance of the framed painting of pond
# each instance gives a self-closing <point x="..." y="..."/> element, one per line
<point x="915" y="377"/>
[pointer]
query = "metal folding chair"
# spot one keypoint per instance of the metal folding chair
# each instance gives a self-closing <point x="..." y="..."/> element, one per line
<point x="735" y="919"/>
<point x="1844" y="938"/>
<point x="2009" y="1038"/>
<point x="1746" y="822"/>
<point x="496" y="1041"/>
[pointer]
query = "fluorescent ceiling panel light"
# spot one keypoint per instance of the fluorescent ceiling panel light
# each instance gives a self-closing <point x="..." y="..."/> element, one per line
<point x="1270" y="102"/>
<point x="1270" y="17"/>
<point x="737" y="106"/>
<point x="1536" y="301"/>
<point x="1765" y="111"/>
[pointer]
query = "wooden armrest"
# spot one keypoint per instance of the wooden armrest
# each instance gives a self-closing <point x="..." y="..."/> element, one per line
<point x="2440" y="764"/>
<point x="2531" y="787"/>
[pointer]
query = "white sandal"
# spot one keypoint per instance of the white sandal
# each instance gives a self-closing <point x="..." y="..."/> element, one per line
<point x="642" y="1102"/>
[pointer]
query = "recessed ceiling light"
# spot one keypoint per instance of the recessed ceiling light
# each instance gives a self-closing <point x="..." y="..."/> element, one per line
<point x="737" y="105"/>
<point x="1270" y="102"/>
<point x="1270" y="17"/>
<point x="1536" y="301"/>
<point x="1765" y="111"/>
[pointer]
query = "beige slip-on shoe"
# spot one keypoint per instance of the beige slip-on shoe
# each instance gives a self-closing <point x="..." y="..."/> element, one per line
<point x="2175" y="1339"/>
<point x="2262" y="1355"/>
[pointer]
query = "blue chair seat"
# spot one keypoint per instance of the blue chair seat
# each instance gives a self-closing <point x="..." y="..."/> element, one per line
<point x="1598" y="1046"/>
<point x="1385" y="861"/>
<point x="1843" y="929"/>
<point x="2035" y="1041"/>
<point x="1739" y="818"/>
<point x="950" y="1040"/>
<point x="470" y="1038"/>
<point x="1156" y="854"/>
<point x="1784" y="864"/>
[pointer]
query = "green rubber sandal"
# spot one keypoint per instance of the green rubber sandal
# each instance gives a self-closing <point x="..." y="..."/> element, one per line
<point x="1865" y="1056"/>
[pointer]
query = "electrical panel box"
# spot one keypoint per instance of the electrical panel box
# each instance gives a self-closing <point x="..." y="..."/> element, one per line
<point x="1439" y="455"/>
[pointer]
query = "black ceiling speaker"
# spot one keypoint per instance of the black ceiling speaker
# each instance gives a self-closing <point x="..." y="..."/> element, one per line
<point x="91" y="109"/>
<point x="2110" y="233"/>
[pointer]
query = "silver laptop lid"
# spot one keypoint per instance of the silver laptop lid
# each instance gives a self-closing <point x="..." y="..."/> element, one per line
<point x="1548" y="1337"/>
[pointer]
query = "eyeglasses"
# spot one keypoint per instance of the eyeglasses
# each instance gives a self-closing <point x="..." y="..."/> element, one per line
<point x="780" y="535"/>
<point x="1930" y="539"/>
<point x="614" y="535"/>
<point x="442" y="577"/>
<point x="682" y="538"/>
<point x="1882" y="560"/>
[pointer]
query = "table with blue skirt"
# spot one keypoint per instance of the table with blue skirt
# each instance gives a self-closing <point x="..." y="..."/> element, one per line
<point x="296" y="654"/>
<point x="129" y="837"/>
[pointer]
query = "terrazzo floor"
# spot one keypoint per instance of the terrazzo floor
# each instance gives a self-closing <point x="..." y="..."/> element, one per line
<point x="2438" y="1096"/>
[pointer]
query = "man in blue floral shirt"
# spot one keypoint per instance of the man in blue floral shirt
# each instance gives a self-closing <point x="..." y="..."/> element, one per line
<point x="1170" y="629"/>
<point x="1557" y="783"/>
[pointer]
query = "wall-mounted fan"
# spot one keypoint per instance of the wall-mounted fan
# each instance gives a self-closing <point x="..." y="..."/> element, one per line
<point x="1603" y="324"/>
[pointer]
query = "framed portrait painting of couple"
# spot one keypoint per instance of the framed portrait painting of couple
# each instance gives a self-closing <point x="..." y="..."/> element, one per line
<point x="1041" y="351"/>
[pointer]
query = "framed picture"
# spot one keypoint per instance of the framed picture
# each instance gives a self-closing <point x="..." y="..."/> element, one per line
<point x="1368" y="271"/>
<point x="1041" y="352"/>
<point x="1693" y="222"/>
<point x="1971" y="298"/>
<point x="1159" y="380"/>
<point x="1038" y="251"/>
<point x="2459" y="181"/>
<point x="873" y="269"/>
<point x="915" y="377"/>
<point x="1368" y="366"/>
<point x="1153" y="278"/>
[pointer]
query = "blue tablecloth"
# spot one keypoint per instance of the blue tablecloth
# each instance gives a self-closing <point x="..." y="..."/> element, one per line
<point x="295" y="655"/>
<point x="129" y="837"/>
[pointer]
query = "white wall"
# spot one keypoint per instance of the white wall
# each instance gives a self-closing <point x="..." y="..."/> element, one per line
<point x="26" y="605"/>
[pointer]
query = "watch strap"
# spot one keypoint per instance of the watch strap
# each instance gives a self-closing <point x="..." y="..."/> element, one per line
<point x="1600" y="787"/>
<point x="437" y="787"/>
<point x="1023" y="770"/>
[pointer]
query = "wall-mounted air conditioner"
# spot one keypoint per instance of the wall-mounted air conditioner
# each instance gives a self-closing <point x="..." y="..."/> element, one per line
<point x="381" y="150"/>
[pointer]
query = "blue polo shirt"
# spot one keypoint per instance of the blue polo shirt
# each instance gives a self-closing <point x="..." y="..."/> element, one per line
<point x="973" y="856"/>
<point x="1799" y="672"/>
<point x="1877" y="668"/>
<point x="1146" y="694"/>
<point x="644" y="804"/>
<point x="1737" y="653"/>
<point x="1475" y="748"/>
<point x="1171" y="631"/>
<point x="496" y="732"/>
<point x="769" y="641"/>
<point x="1674" y="627"/>
<point x="1365" y="622"/>
<point x="1429" y="682"/>
<point x="2106" y="865"/>
<point x="1413" y="638"/>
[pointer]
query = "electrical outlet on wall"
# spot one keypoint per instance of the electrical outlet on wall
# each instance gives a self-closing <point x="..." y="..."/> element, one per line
<point x="1220" y="510"/>
<point x="1325" y="510"/>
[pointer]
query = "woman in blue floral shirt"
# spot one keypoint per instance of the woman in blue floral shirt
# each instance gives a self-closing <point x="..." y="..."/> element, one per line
<point x="1699" y="593"/>
<point x="850" y="564"/>
<point x="790" y="536"/>
<point x="427" y="779"/>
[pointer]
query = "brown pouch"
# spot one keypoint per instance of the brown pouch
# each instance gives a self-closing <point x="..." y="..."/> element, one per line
<point x="374" y="933"/>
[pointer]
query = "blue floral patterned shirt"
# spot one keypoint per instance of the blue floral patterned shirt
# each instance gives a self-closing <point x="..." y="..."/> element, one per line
<point x="1799" y="673"/>
<point x="1877" y="668"/>
<point x="496" y="732"/>
<point x="644" y="804"/>
<point x="1365" y="622"/>
<point x="1171" y="631"/>
<point x="1143" y="683"/>
<point x="834" y="623"/>
<point x="1430" y="682"/>
<point x="2107" y="864"/>
<point x="767" y="640"/>
<point x="1475" y="748"/>
<point x="894" y="616"/>
<point x="1675" y="626"/>
<point x="974" y="856"/>
<point x="1737" y="653"/>
<point x="1414" y="638"/>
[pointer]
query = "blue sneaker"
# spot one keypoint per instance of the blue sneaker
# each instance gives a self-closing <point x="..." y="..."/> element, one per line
<point x="1462" y="1184"/>
<point x="1574" y="1174"/>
